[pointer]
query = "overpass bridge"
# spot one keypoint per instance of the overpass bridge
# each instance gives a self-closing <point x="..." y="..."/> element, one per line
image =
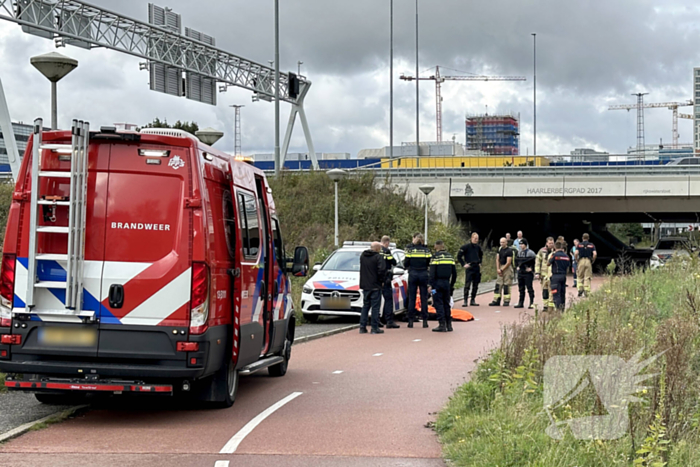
<point x="555" y="200"/>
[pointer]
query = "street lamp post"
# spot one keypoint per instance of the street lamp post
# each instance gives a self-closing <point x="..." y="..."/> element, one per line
<point x="534" y="96"/>
<point x="278" y="159"/>
<point x="336" y="175"/>
<point x="54" y="66"/>
<point x="426" y="189"/>
<point x="299" y="64"/>
<point x="417" y="91"/>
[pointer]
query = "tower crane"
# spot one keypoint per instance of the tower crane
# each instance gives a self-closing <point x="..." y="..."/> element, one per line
<point x="439" y="79"/>
<point x="669" y="105"/>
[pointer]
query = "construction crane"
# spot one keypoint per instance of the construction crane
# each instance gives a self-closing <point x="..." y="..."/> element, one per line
<point x="439" y="79"/>
<point x="669" y="105"/>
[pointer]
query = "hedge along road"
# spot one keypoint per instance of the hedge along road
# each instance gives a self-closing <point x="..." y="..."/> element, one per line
<point x="347" y="400"/>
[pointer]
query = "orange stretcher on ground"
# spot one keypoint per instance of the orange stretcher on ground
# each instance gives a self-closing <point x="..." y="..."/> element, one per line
<point x="457" y="314"/>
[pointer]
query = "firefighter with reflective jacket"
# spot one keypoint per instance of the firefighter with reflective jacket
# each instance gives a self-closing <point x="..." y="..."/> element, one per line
<point x="387" y="291"/>
<point x="417" y="262"/>
<point x="443" y="275"/>
<point x="586" y="255"/>
<point x="559" y="262"/>
<point x="543" y="273"/>
<point x="504" y="279"/>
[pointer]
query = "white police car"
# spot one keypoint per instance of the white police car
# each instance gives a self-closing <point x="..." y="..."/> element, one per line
<point x="334" y="289"/>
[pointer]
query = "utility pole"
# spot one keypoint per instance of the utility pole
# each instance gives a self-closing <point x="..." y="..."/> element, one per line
<point x="278" y="161"/>
<point x="237" y="130"/>
<point x="417" y="91"/>
<point x="391" y="84"/>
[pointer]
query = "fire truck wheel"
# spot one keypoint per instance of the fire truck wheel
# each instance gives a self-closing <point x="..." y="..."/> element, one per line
<point x="281" y="368"/>
<point x="232" y="378"/>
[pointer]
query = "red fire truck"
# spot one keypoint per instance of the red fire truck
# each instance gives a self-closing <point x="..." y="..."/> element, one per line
<point x="142" y="262"/>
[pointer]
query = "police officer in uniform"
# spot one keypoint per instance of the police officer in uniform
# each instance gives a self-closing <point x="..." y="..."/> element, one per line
<point x="387" y="292"/>
<point x="504" y="268"/>
<point x="417" y="262"/>
<point x="470" y="257"/>
<point x="586" y="255"/>
<point x="560" y="262"/>
<point x="542" y="272"/>
<point x="443" y="275"/>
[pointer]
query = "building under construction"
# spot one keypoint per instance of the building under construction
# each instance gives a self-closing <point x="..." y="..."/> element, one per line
<point x="494" y="134"/>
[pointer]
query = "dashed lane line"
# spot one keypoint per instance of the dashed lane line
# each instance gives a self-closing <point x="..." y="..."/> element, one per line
<point x="222" y="464"/>
<point x="238" y="438"/>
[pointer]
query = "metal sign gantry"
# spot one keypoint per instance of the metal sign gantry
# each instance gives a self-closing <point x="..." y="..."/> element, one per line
<point x="74" y="22"/>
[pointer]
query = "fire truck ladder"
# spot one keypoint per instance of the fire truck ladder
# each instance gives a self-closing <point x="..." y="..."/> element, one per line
<point x="75" y="257"/>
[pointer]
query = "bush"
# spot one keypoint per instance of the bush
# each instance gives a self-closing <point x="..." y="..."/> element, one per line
<point x="497" y="418"/>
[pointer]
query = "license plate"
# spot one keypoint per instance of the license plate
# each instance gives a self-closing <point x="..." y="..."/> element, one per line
<point x="68" y="337"/>
<point x="335" y="303"/>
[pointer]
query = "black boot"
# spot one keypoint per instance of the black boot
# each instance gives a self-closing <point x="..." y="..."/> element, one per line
<point x="381" y="325"/>
<point x="465" y="304"/>
<point x="410" y="323"/>
<point x="506" y="303"/>
<point x="520" y="305"/>
<point x="449" y="325"/>
<point x="425" y="322"/>
<point x="363" y="329"/>
<point x="495" y="302"/>
<point x="377" y="331"/>
<point x="441" y="327"/>
<point x="392" y="325"/>
<point x="473" y="302"/>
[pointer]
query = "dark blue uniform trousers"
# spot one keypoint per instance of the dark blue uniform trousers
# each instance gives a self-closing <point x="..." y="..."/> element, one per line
<point x="417" y="280"/>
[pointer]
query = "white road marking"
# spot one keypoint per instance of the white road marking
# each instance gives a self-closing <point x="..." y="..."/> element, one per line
<point x="238" y="438"/>
<point x="498" y="311"/>
<point x="337" y="372"/>
<point x="378" y="355"/>
<point x="476" y="319"/>
<point x="417" y="340"/>
<point x="221" y="464"/>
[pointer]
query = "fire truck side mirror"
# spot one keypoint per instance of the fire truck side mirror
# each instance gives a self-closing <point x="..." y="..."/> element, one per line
<point x="301" y="262"/>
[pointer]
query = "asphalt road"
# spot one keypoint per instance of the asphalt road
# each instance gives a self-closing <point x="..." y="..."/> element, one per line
<point x="348" y="400"/>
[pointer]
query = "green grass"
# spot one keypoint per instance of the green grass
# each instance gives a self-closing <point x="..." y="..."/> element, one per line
<point x="497" y="418"/>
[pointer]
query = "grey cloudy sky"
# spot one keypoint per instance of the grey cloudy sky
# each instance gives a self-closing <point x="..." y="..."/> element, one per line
<point x="591" y="54"/>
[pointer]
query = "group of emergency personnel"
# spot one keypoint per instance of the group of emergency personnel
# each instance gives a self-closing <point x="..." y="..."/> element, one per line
<point x="553" y="263"/>
<point x="428" y="273"/>
<point x="435" y="274"/>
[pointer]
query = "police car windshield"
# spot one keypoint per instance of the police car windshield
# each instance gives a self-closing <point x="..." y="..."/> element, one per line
<point x="343" y="261"/>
